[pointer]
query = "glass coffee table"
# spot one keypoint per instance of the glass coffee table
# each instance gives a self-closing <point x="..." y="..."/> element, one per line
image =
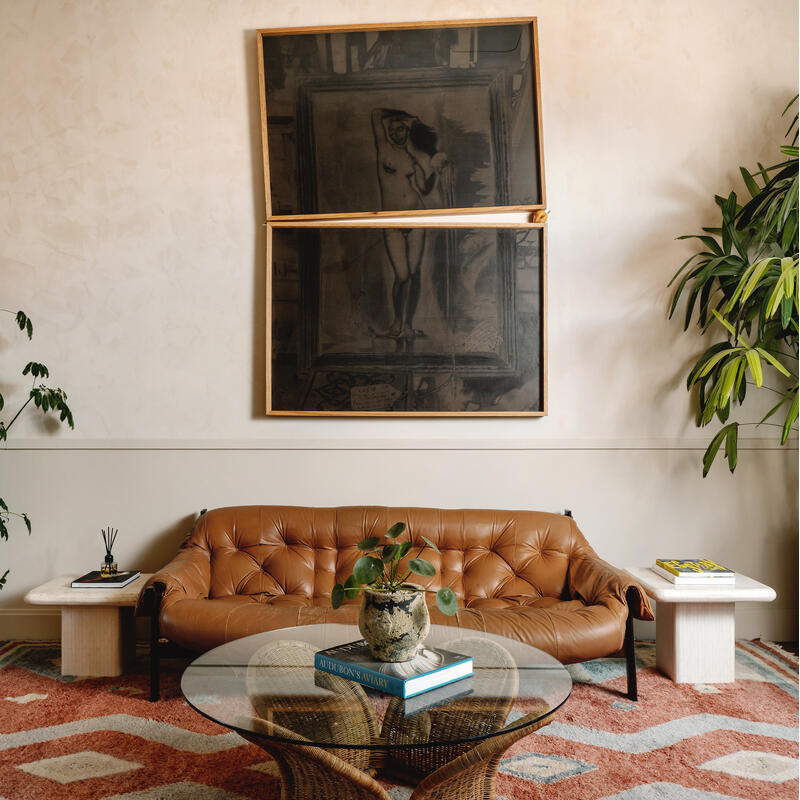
<point x="331" y="737"/>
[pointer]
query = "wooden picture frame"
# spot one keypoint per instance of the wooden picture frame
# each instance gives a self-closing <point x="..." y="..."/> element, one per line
<point x="473" y="345"/>
<point x="403" y="119"/>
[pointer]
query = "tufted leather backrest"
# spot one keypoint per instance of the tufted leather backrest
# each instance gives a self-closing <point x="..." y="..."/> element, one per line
<point x="295" y="555"/>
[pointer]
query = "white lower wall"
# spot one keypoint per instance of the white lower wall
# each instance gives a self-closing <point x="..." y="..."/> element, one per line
<point x="633" y="504"/>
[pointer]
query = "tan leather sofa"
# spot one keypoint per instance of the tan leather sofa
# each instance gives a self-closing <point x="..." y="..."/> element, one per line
<point x="528" y="575"/>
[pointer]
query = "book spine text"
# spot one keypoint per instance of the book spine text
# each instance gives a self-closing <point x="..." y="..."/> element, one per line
<point x="366" y="677"/>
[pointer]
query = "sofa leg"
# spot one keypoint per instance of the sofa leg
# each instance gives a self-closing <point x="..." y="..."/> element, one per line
<point x="630" y="653"/>
<point x="155" y="659"/>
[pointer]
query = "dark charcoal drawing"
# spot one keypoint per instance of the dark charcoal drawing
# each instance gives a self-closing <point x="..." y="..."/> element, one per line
<point x="401" y="120"/>
<point x="407" y="319"/>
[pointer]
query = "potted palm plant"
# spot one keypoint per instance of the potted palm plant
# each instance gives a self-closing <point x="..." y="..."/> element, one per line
<point x="742" y="285"/>
<point x="394" y="618"/>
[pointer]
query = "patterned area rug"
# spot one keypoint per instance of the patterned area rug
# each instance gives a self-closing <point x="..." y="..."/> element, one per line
<point x="87" y="739"/>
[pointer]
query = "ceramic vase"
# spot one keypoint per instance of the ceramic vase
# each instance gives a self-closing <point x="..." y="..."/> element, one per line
<point x="394" y="624"/>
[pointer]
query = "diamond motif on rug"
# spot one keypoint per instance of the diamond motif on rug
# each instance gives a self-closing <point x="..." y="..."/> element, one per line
<point x="185" y="790"/>
<point x="78" y="766"/>
<point x="543" y="768"/>
<point x="757" y="766"/>
<point x="267" y="767"/>
<point x="26" y="698"/>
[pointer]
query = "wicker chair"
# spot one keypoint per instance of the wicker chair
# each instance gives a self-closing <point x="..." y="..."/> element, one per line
<point x="311" y="773"/>
<point x="495" y="682"/>
<point x="277" y="676"/>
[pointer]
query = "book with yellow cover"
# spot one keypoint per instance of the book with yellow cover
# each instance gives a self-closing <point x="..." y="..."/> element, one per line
<point x="694" y="568"/>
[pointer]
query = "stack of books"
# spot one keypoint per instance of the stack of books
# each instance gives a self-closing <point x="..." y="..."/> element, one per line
<point x="430" y="669"/>
<point x="694" y="572"/>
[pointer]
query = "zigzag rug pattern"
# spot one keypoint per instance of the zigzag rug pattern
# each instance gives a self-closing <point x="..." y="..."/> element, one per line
<point x="64" y="738"/>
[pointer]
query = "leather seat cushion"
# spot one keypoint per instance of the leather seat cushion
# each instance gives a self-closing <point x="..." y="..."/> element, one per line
<point x="568" y="630"/>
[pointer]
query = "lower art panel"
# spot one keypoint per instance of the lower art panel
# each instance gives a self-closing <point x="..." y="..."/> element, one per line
<point x="406" y="320"/>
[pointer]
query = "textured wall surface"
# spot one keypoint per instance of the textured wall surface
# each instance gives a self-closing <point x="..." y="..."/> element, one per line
<point x="131" y="211"/>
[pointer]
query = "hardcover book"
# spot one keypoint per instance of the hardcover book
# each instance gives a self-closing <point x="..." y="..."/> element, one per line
<point x="429" y="669"/>
<point x="695" y="580"/>
<point x="694" y="568"/>
<point x="94" y="580"/>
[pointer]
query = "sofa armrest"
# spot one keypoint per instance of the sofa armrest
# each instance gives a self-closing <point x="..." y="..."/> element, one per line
<point x="593" y="580"/>
<point x="186" y="577"/>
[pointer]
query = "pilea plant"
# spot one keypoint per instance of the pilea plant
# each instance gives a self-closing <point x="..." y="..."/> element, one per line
<point x="47" y="400"/>
<point x="381" y="569"/>
<point x="745" y="281"/>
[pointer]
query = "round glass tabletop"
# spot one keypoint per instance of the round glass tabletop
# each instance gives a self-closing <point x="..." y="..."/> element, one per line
<point x="266" y="686"/>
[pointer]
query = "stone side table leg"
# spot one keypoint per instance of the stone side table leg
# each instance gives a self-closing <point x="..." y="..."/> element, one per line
<point x="96" y="640"/>
<point x="695" y="641"/>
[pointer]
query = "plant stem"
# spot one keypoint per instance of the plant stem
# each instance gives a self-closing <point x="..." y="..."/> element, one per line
<point x="769" y="388"/>
<point x="757" y="424"/>
<point x="18" y="413"/>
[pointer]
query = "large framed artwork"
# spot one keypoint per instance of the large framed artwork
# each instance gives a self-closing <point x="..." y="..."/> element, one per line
<point x="406" y="318"/>
<point x="401" y="119"/>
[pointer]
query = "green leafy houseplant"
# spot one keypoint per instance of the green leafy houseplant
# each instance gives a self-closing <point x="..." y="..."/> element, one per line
<point x="381" y="569"/>
<point x="743" y="284"/>
<point x="46" y="400"/>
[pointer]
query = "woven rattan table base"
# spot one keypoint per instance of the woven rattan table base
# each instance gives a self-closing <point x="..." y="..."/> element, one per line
<point x="314" y="773"/>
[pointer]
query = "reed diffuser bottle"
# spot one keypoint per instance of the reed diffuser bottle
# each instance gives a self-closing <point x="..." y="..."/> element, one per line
<point x="109" y="566"/>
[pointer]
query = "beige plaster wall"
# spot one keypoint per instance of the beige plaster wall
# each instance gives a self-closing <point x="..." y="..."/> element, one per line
<point x="131" y="211"/>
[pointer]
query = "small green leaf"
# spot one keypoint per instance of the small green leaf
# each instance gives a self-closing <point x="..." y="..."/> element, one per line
<point x="725" y="324"/>
<point x="337" y="595"/>
<point x="751" y="185"/>
<point x="446" y="601"/>
<point x="712" y="449"/>
<point x="351" y="587"/>
<point x="389" y="552"/>
<point x="754" y="362"/>
<point x="774" y="409"/>
<point x="395" y="530"/>
<point x="404" y="547"/>
<point x="714" y="360"/>
<point x="28" y="367"/>
<point x="791" y="418"/>
<point x="370" y="543"/>
<point x="728" y="376"/>
<point x="27" y="522"/>
<point x="774" y="361"/>
<point x="420" y="566"/>
<point x="430" y="543"/>
<point x="786" y="312"/>
<point x="730" y="445"/>
<point x="3" y="504"/>
<point x="367" y="569"/>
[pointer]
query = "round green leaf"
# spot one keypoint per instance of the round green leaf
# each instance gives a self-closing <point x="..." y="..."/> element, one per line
<point x="395" y="530"/>
<point x="422" y="567"/>
<point x="446" y="601"/>
<point x="351" y="587"/>
<point x="337" y="595"/>
<point x="389" y="552"/>
<point x="429" y="543"/>
<point x="367" y="569"/>
<point x="370" y="543"/>
<point x="402" y="549"/>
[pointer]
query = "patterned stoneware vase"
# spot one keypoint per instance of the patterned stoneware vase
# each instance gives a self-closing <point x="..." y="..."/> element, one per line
<point x="394" y="624"/>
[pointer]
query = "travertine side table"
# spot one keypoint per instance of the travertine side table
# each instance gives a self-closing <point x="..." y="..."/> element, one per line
<point x="97" y="625"/>
<point x="695" y="625"/>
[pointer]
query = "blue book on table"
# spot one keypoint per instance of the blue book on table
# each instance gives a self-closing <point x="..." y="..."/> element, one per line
<point x="429" y="669"/>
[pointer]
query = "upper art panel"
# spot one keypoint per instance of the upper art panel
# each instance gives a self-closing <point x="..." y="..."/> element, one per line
<point x="438" y="117"/>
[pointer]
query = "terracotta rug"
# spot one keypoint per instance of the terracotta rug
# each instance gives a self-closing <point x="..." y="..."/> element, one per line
<point x="86" y="739"/>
